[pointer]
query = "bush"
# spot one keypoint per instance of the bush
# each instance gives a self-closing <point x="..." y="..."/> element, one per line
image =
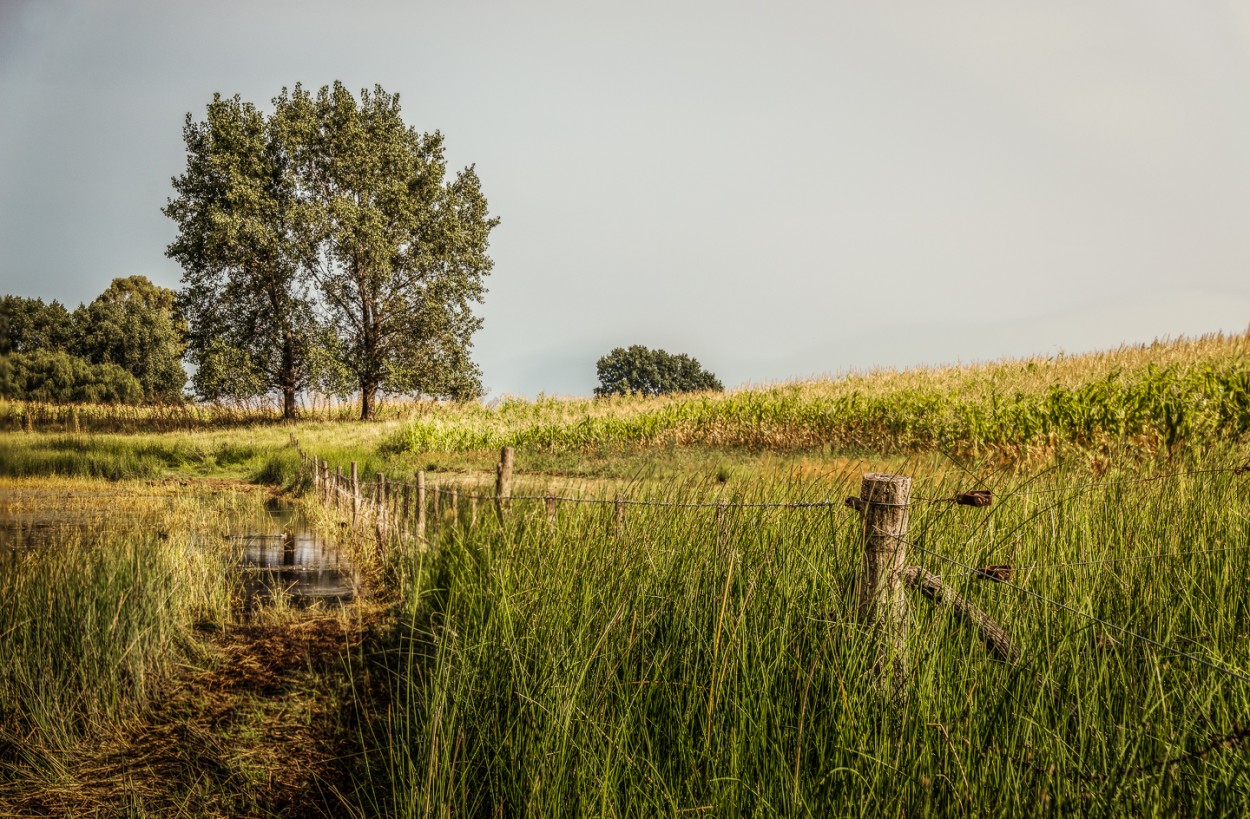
<point x="59" y="377"/>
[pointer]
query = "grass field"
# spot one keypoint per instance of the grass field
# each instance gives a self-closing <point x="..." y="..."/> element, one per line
<point x="681" y="660"/>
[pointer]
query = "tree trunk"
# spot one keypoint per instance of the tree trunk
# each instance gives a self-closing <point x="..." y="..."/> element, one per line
<point x="368" y="396"/>
<point x="289" y="409"/>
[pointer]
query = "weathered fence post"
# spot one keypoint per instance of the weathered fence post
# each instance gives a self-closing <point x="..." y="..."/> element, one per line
<point x="421" y="505"/>
<point x="338" y="488"/>
<point x="455" y="508"/>
<point x="722" y="530"/>
<point x="473" y="510"/>
<point x="882" y="602"/>
<point x="355" y="496"/>
<point x="503" y="481"/>
<point x="379" y="518"/>
<point x="406" y="508"/>
<point x="619" y="519"/>
<point x="550" y="500"/>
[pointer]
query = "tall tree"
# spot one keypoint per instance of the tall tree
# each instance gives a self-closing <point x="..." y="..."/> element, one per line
<point x="242" y="244"/>
<point x="136" y="325"/>
<point x="401" y="249"/>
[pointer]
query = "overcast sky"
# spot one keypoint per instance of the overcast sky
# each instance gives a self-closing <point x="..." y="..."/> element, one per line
<point x="779" y="189"/>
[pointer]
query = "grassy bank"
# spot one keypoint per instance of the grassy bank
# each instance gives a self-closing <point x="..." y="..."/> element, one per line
<point x="675" y="665"/>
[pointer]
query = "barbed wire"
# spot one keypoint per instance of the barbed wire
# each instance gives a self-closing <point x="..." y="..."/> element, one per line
<point x="1095" y="618"/>
<point x="1101" y="561"/>
<point x="959" y="498"/>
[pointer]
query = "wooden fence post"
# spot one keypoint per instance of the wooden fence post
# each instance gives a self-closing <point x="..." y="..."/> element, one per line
<point x="722" y="530"/>
<point x="355" y="496"/>
<point x="379" y="516"/>
<point x="406" y="508"/>
<point x="455" y="507"/>
<point x="338" y="488"/>
<point x="503" y="481"/>
<point x="421" y="505"/>
<point x="550" y="500"/>
<point x="473" y="510"/>
<point x="882" y="599"/>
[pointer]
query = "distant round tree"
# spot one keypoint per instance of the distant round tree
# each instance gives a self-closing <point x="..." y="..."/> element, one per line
<point x="651" y="372"/>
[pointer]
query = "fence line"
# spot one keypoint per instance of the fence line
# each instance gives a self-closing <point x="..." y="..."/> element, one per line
<point x="975" y="497"/>
<point x="883" y="579"/>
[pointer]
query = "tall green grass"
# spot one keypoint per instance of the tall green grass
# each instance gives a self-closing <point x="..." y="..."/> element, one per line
<point x="681" y="665"/>
<point x="94" y="622"/>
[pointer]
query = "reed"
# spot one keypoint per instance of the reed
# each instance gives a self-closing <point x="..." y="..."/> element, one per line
<point x="668" y="666"/>
<point x="95" y="619"/>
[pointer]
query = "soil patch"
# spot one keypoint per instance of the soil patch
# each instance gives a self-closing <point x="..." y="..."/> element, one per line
<point x="268" y="725"/>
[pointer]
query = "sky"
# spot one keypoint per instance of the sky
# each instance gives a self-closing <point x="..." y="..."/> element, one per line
<point x="780" y="190"/>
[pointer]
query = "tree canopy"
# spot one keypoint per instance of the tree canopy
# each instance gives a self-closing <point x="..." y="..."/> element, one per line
<point x="241" y="244"/>
<point x="27" y="325"/>
<point x="651" y="372"/>
<point x="136" y="325"/>
<point x="326" y="242"/>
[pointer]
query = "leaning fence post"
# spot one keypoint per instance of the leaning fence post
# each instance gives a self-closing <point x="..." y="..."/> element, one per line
<point x="503" y="480"/>
<point x="882" y="602"/>
<point x="421" y="505"/>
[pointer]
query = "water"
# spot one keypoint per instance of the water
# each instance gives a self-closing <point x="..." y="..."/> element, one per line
<point x="280" y="554"/>
<point x="283" y="554"/>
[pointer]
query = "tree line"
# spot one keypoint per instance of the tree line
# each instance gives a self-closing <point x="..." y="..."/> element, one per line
<point x="126" y="346"/>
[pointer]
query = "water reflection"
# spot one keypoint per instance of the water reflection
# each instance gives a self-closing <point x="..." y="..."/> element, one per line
<point x="31" y="531"/>
<point x="280" y="550"/>
<point x="295" y="561"/>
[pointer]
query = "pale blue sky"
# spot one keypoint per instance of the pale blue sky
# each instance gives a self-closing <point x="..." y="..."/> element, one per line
<point x="778" y="189"/>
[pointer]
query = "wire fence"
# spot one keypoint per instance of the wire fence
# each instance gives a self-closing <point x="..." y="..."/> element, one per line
<point x="981" y="497"/>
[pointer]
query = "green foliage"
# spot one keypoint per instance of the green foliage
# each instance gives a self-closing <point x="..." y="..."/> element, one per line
<point x="136" y="325"/>
<point x="323" y="247"/>
<point x="133" y="326"/>
<point x="400" y="249"/>
<point x="61" y="378"/>
<point x="652" y="372"/>
<point x="29" y="325"/>
<point x="241" y="245"/>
